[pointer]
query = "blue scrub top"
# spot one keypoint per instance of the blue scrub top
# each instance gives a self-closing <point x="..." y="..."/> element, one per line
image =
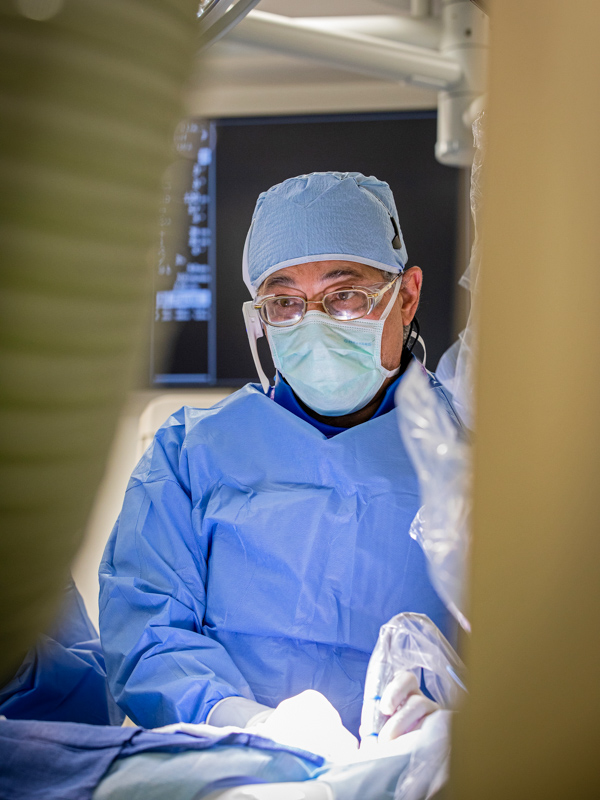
<point x="258" y="555"/>
<point x="283" y="395"/>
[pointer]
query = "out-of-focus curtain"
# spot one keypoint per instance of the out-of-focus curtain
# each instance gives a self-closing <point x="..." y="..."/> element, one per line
<point x="89" y="95"/>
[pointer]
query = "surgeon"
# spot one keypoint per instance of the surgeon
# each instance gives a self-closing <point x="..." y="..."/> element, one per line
<point x="264" y="541"/>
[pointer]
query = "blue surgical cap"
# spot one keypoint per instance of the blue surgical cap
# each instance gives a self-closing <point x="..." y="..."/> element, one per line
<point x="323" y="216"/>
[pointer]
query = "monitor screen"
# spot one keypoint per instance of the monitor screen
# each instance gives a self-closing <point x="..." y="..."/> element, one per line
<point x="222" y="166"/>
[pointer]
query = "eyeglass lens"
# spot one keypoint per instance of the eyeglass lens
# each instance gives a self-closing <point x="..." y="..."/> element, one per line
<point x="346" y="304"/>
<point x="283" y="310"/>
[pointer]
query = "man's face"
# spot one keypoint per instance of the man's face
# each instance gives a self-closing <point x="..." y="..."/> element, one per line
<point x="315" y="279"/>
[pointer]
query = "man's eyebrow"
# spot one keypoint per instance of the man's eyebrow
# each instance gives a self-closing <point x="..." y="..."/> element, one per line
<point x="279" y="280"/>
<point x="342" y="272"/>
<point x="288" y="280"/>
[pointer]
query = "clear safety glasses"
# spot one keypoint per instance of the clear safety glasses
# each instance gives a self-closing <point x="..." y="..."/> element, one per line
<point x="282" y="310"/>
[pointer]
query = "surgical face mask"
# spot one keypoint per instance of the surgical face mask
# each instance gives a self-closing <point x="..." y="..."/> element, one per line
<point x="334" y="367"/>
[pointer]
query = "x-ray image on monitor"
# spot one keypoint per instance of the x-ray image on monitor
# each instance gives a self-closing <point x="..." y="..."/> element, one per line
<point x="184" y="316"/>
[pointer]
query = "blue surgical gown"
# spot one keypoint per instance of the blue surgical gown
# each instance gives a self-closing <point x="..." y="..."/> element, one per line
<point x="254" y="556"/>
<point x="63" y="678"/>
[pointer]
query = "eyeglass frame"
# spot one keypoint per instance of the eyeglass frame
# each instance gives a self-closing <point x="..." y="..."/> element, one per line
<point x="374" y="299"/>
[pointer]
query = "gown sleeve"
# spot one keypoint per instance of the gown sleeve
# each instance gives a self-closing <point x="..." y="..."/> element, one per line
<point x="62" y="678"/>
<point x="162" y="664"/>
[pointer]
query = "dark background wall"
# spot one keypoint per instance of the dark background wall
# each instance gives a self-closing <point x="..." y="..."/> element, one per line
<point x="254" y="154"/>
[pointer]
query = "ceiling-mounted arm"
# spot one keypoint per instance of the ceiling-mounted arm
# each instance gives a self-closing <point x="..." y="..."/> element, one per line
<point x="218" y="17"/>
<point x="420" y="9"/>
<point x="465" y="39"/>
<point x="379" y="58"/>
<point x="457" y="70"/>
<point x="425" y="33"/>
<point x="484" y="5"/>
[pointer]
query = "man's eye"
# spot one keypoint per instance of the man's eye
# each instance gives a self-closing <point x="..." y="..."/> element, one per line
<point x="286" y="302"/>
<point x="345" y="297"/>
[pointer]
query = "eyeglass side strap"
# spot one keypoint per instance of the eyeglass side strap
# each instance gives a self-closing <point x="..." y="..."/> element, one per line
<point x="389" y="306"/>
<point x="254" y="331"/>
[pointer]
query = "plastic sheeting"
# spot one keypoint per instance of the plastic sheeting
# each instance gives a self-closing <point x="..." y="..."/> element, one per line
<point x="411" y="642"/>
<point x="441" y="458"/>
<point x="456" y="367"/>
<point x="441" y="455"/>
<point x="427" y="769"/>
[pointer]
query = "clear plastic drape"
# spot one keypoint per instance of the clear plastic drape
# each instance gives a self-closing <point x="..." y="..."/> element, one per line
<point x="441" y="457"/>
<point x="411" y="642"/>
<point x="456" y="367"/>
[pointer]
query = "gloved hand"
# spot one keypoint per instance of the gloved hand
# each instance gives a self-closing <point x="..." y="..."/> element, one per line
<point x="307" y="721"/>
<point x="405" y="706"/>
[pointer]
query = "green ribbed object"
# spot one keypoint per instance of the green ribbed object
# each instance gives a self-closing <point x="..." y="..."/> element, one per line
<point x="90" y="93"/>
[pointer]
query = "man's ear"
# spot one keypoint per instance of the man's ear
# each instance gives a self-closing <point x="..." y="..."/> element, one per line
<point x="410" y="291"/>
